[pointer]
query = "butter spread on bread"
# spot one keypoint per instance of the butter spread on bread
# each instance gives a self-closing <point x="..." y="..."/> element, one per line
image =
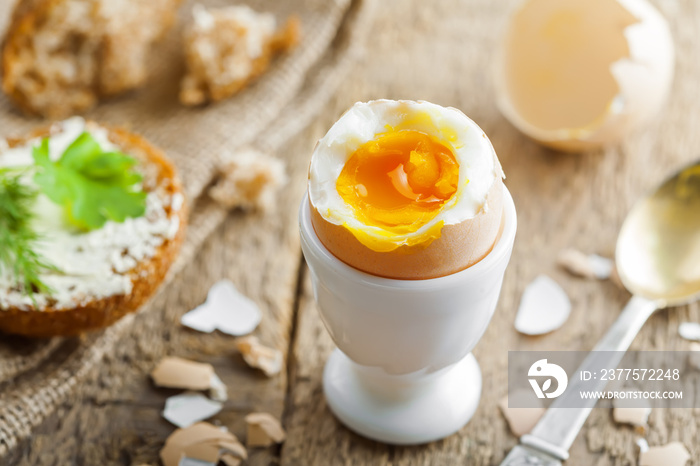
<point x="95" y="264"/>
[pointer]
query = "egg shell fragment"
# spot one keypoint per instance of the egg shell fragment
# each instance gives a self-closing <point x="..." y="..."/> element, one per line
<point x="633" y="411"/>
<point x="458" y="247"/>
<point x="226" y="310"/>
<point x="520" y="420"/>
<point x="544" y="307"/>
<point x="189" y="408"/>
<point x="643" y="73"/>
<point x="689" y="331"/>
<point x="672" y="454"/>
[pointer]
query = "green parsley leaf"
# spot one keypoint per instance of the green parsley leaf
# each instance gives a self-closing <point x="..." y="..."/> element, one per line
<point x="17" y="239"/>
<point x="93" y="186"/>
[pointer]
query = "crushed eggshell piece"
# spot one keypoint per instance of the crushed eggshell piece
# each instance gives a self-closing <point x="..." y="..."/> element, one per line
<point x="268" y="360"/>
<point x="204" y="452"/>
<point x="672" y="454"/>
<point x="225" y="309"/>
<point x="544" y="307"/>
<point x="642" y="444"/>
<point x="689" y="331"/>
<point x="602" y="266"/>
<point x="264" y="430"/>
<point x="615" y="278"/>
<point x="230" y="460"/>
<point x="585" y="265"/>
<point x="250" y="180"/>
<point x="634" y="416"/>
<point x="233" y="448"/>
<point x="189" y="408"/>
<point x="172" y="372"/>
<point x="631" y="411"/>
<point x="194" y="462"/>
<point x="217" y="389"/>
<point x="694" y="356"/>
<point x="520" y="420"/>
<point x="202" y="443"/>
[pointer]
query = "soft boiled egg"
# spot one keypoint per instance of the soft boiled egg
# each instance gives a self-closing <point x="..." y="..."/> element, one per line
<point x="406" y="190"/>
<point x="579" y="74"/>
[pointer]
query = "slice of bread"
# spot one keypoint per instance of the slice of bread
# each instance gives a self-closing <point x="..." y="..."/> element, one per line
<point x="59" y="57"/>
<point x="91" y="313"/>
<point x="228" y="48"/>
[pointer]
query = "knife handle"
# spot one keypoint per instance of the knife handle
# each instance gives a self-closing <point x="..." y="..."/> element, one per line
<point x="558" y="428"/>
<point x="526" y="456"/>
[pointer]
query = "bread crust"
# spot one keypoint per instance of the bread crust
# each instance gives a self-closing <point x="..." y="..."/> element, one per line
<point x="146" y="276"/>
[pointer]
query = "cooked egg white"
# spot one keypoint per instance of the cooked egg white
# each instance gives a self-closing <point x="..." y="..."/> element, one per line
<point x="576" y="74"/>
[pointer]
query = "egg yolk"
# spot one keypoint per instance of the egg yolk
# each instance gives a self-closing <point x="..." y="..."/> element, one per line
<point x="399" y="181"/>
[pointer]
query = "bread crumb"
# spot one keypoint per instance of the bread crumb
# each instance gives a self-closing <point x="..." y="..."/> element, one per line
<point x="268" y="360"/>
<point x="60" y="57"/>
<point x="226" y="48"/>
<point x="250" y="180"/>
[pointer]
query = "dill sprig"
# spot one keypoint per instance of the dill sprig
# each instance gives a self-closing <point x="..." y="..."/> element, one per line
<point x="18" y="240"/>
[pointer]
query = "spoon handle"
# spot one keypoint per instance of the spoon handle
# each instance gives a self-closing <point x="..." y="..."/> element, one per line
<point x="620" y="336"/>
<point x="558" y="428"/>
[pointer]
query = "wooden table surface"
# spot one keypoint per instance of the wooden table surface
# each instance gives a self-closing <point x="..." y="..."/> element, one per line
<point x="439" y="51"/>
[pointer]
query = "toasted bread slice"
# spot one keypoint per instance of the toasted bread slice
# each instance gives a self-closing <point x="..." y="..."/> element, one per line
<point x="59" y="57"/>
<point x="91" y="313"/>
<point x="228" y="48"/>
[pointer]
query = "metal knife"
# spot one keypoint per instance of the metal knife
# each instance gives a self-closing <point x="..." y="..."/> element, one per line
<point x="549" y="442"/>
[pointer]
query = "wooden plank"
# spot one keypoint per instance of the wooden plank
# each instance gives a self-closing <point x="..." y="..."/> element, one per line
<point x="442" y="52"/>
<point x="562" y="201"/>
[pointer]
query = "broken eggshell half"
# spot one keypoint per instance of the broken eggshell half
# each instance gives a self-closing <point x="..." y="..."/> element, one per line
<point x="577" y="75"/>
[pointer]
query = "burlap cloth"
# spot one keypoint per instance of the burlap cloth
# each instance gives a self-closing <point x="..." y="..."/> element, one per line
<point x="36" y="376"/>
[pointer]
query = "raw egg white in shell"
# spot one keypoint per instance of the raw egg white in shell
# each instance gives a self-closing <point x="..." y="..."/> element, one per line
<point x="579" y="74"/>
<point x="405" y="189"/>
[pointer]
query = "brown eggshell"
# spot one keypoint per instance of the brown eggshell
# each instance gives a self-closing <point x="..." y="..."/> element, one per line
<point x="458" y="247"/>
<point x="580" y="97"/>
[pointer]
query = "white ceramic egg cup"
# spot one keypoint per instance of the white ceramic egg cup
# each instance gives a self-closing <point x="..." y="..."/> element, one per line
<point x="403" y="372"/>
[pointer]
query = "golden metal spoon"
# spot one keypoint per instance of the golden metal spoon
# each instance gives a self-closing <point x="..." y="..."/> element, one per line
<point x="658" y="260"/>
<point x="658" y="250"/>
